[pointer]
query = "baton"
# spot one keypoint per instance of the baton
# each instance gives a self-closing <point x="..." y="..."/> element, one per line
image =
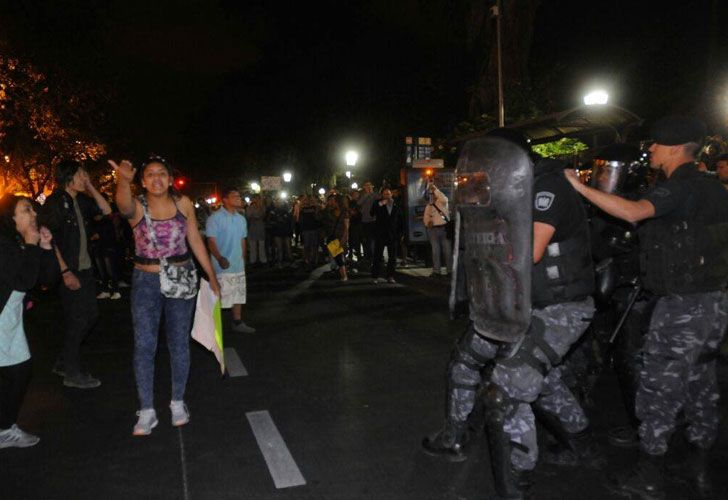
<point x="626" y="312"/>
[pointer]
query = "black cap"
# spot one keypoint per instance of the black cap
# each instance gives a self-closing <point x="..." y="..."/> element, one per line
<point x="723" y="157"/>
<point x="678" y="129"/>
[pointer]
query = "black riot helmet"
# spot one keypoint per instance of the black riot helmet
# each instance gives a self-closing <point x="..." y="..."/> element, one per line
<point x="613" y="166"/>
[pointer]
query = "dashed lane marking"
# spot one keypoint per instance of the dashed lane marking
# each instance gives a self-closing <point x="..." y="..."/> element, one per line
<point x="183" y="460"/>
<point x="282" y="467"/>
<point x="234" y="366"/>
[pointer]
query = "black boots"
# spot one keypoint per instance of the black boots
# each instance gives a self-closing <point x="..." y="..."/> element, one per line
<point x="694" y="471"/>
<point x="571" y="449"/>
<point x="448" y="443"/>
<point x="644" y="481"/>
<point x="578" y="449"/>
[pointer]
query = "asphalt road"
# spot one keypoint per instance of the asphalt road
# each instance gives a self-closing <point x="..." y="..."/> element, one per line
<point x="339" y="385"/>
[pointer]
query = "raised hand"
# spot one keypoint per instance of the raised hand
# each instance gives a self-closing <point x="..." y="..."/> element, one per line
<point x="45" y="238"/>
<point x="124" y="170"/>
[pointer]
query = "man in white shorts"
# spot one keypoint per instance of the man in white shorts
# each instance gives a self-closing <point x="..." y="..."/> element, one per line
<point x="226" y="231"/>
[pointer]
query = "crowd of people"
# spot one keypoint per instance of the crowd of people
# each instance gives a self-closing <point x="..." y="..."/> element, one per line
<point x="75" y="241"/>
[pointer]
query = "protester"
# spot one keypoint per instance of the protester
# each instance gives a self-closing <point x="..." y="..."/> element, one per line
<point x="355" y="227"/>
<point x="255" y="215"/>
<point x="435" y="218"/>
<point x="104" y="255"/>
<point x="337" y="228"/>
<point x="26" y="257"/>
<point x="389" y="223"/>
<point x="683" y="251"/>
<point x="368" y="220"/>
<point x="226" y="233"/>
<point x="68" y="213"/>
<point x="308" y="219"/>
<point x="163" y="280"/>
<point x="281" y="227"/>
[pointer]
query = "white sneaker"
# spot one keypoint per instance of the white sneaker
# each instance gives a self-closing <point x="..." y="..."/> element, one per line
<point x="103" y="295"/>
<point x="391" y="280"/>
<point x="115" y="296"/>
<point x="15" y="437"/>
<point x="123" y="284"/>
<point x="147" y="421"/>
<point x="180" y="413"/>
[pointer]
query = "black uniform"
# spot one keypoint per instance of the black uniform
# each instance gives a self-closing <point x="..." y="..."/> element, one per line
<point x="684" y="260"/>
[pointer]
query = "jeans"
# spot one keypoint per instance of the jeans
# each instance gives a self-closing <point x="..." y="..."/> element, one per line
<point x="310" y="245"/>
<point x="257" y="251"/>
<point x="283" y="249"/>
<point x="147" y="304"/>
<point x="80" y="311"/>
<point x="439" y="241"/>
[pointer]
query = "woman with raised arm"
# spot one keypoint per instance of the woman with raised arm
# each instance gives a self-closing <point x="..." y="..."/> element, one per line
<point x="25" y="259"/>
<point x="164" y="279"/>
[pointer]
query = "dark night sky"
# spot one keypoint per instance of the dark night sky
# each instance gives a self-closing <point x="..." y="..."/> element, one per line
<point x="221" y="85"/>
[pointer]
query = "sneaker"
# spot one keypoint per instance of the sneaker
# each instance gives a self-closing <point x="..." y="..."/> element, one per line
<point x="103" y="295"/>
<point x="379" y="280"/>
<point x="391" y="280"/>
<point x="243" y="328"/>
<point x="123" y="284"/>
<point x="115" y="296"/>
<point x="81" y="381"/>
<point x="15" y="437"/>
<point x="147" y="421"/>
<point x="180" y="413"/>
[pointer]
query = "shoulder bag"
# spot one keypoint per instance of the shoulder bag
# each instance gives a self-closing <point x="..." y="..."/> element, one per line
<point x="176" y="282"/>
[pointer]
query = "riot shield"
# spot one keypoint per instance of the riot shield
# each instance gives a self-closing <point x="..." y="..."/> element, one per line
<point x="493" y="253"/>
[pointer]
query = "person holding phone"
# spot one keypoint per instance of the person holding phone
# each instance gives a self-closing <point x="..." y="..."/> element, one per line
<point x="436" y="218"/>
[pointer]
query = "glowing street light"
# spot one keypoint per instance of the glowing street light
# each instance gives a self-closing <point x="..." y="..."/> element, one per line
<point x="351" y="158"/>
<point x="596" y="97"/>
<point x="354" y="185"/>
<point x="322" y="191"/>
<point x="287" y="176"/>
<point x="348" y="174"/>
<point x="255" y="187"/>
<point x="247" y="199"/>
<point x="283" y="195"/>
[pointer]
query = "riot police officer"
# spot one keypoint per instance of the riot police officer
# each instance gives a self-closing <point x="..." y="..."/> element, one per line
<point x="683" y="260"/>
<point x="623" y="307"/>
<point x="518" y="242"/>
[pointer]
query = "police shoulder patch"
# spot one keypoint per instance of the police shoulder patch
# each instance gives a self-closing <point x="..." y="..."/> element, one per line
<point x="544" y="199"/>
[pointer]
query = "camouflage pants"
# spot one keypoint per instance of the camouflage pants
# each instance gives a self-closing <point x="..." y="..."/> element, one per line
<point x="679" y="370"/>
<point x="565" y="323"/>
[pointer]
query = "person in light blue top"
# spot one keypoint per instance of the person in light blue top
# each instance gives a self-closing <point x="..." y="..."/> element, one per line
<point x="25" y="258"/>
<point x="226" y="232"/>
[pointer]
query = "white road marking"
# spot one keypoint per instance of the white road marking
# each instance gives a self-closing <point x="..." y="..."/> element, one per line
<point x="282" y="467"/>
<point x="183" y="459"/>
<point x="233" y="364"/>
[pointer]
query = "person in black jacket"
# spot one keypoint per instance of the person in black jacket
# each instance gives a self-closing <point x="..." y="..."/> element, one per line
<point x="25" y="258"/>
<point x="388" y="231"/>
<point x="68" y="212"/>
